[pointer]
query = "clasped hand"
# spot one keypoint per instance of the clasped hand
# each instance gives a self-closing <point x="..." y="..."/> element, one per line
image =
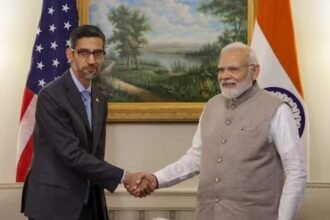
<point x="140" y="184"/>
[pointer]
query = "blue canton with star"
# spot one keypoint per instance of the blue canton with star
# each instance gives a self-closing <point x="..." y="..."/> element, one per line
<point x="58" y="19"/>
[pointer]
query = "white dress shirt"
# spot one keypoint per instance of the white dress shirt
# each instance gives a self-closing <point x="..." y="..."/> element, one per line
<point x="283" y="133"/>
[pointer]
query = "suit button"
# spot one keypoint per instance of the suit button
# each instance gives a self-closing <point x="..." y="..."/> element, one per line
<point x="223" y="141"/>
<point x="217" y="180"/>
<point x="228" y="122"/>
<point x="217" y="200"/>
<point x="219" y="160"/>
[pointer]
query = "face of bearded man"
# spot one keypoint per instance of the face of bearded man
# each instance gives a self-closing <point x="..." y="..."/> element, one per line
<point x="86" y="68"/>
<point x="235" y="73"/>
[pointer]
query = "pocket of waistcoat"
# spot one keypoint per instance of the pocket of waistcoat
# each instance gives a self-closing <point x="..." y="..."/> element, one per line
<point x="256" y="134"/>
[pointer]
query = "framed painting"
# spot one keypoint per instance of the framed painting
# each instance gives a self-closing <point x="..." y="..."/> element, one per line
<point x="162" y="55"/>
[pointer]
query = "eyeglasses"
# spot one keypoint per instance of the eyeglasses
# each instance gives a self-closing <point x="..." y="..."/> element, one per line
<point x="232" y="69"/>
<point x="84" y="53"/>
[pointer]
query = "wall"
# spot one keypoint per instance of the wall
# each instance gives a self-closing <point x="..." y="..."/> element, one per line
<point x="150" y="146"/>
<point x="170" y="204"/>
<point x="313" y="33"/>
<point x="19" y="20"/>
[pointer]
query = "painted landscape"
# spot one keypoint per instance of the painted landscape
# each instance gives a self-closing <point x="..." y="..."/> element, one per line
<point x="165" y="50"/>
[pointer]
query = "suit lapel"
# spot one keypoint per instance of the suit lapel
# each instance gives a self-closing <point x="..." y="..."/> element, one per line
<point x="97" y="117"/>
<point x="75" y="98"/>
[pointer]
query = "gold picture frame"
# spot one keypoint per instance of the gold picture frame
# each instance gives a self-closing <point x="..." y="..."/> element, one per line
<point x="157" y="111"/>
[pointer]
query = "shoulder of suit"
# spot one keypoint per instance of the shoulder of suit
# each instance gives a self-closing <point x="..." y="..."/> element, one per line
<point x="56" y="85"/>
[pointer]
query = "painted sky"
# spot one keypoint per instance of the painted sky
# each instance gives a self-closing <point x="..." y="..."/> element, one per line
<point x="172" y="21"/>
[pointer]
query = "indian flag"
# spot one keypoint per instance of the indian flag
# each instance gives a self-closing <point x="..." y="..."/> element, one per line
<point x="274" y="42"/>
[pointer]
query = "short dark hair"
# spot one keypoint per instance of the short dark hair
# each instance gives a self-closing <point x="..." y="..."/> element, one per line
<point x="86" y="30"/>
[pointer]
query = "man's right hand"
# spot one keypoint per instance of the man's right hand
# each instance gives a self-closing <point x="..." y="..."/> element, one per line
<point x="140" y="184"/>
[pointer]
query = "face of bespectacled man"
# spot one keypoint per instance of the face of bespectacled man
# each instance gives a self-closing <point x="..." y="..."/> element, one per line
<point x="235" y="73"/>
<point x="86" y="59"/>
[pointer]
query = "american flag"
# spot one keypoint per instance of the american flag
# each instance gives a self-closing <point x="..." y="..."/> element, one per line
<point x="58" y="19"/>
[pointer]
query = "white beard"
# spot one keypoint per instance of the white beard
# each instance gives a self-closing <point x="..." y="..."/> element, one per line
<point x="241" y="87"/>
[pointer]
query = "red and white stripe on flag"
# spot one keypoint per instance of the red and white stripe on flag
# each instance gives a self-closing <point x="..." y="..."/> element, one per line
<point x="274" y="42"/>
<point x="25" y="131"/>
<point x="58" y="19"/>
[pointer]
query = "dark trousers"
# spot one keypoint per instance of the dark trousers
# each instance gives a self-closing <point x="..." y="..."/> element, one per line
<point x="88" y="212"/>
<point x="93" y="210"/>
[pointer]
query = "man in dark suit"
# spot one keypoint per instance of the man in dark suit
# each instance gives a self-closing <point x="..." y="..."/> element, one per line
<point x="68" y="173"/>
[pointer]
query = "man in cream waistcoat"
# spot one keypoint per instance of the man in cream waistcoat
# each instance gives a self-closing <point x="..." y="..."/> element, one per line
<point x="246" y="150"/>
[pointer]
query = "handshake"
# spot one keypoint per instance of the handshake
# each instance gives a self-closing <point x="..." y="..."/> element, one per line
<point x="140" y="184"/>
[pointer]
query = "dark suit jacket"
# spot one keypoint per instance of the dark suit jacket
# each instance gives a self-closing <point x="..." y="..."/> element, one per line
<point x="67" y="154"/>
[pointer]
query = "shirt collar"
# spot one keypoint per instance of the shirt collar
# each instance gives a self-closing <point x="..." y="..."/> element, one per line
<point x="80" y="87"/>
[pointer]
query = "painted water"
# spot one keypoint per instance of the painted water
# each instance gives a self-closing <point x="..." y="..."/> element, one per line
<point x="168" y="60"/>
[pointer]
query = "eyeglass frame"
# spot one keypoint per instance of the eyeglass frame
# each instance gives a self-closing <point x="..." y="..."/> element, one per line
<point x="86" y="56"/>
<point x="232" y="69"/>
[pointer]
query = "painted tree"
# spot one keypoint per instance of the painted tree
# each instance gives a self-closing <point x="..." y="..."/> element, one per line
<point x="120" y="35"/>
<point x="140" y="25"/>
<point x="129" y="32"/>
<point x="233" y="13"/>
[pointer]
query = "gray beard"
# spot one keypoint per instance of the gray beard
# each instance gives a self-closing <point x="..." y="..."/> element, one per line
<point x="232" y="93"/>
